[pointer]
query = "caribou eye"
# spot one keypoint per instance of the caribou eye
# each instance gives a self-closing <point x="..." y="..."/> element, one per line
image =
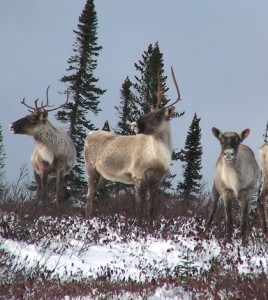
<point x="33" y="119"/>
<point x="157" y="117"/>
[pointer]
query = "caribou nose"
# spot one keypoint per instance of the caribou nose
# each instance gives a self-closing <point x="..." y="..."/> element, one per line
<point x="11" y="128"/>
<point x="134" y="127"/>
<point x="229" y="154"/>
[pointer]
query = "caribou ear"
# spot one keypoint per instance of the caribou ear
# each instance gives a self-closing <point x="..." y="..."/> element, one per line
<point x="43" y="116"/>
<point x="216" y="132"/>
<point x="169" y="111"/>
<point x="244" y="134"/>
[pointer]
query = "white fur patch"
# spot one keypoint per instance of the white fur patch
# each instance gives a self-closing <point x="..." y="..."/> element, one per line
<point x="160" y="151"/>
<point x="45" y="153"/>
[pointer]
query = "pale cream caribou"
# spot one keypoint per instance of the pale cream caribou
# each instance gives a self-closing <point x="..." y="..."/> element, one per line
<point x="237" y="177"/>
<point x="141" y="160"/>
<point x="54" y="154"/>
<point x="263" y="199"/>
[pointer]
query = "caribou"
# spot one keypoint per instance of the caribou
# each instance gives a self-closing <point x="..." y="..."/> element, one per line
<point x="54" y="154"/>
<point x="237" y="177"/>
<point x="141" y="160"/>
<point x="263" y="199"/>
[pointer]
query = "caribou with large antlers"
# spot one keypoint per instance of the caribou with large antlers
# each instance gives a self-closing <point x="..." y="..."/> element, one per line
<point x="54" y="154"/>
<point x="141" y="160"/>
<point x="237" y="177"/>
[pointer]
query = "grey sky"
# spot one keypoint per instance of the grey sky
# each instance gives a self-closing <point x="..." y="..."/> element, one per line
<point x="219" y="51"/>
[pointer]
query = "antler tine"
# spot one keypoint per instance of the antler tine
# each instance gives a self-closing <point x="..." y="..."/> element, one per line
<point x="159" y="93"/>
<point x="47" y="104"/>
<point x="55" y="108"/>
<point x="31" y="108"/>
<point x="43" y="106"/>
<point x="36" y="106"/>
<point x="177" y="88"/>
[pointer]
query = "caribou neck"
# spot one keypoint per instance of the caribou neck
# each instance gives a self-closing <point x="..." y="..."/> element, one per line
<point x="45" y="135"/>
<point x="165" y="138"/>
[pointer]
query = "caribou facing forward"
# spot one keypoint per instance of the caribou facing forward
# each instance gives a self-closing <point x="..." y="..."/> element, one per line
<point x="54" y="154"/>
<point x="142" y="160"/>
<point x="237" y="177"/>
<point x="263" y="199"/>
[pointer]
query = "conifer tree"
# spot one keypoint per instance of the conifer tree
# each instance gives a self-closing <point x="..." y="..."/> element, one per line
<point x="192" y="159"/>
<point x="2" y="160"/>
<point x="82" y="86"/>
<point x="126" y="111"/>
<point x="151" y="72"/>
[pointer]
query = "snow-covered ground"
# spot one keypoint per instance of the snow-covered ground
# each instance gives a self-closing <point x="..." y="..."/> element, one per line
<point x="117" y="248"/>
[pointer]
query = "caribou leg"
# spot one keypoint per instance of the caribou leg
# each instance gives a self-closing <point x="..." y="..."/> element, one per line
<point x="263" y="210"/>
<point x="59" y="187"/>
<point x="152" y="201"/>
<point x="38" y="187"/>
<point x="140" y="192"/>
<point x="93" y="180"/>
<point x="227" y="200"/>
<point x="44" y="189"/>
<point x="213" y="206"/>
<point x="244" y="212"/>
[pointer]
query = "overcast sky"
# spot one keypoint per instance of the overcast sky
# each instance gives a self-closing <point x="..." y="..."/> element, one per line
<point x="219" y="51"/>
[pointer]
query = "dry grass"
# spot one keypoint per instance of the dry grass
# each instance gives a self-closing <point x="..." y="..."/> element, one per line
<point x="19" y="214"/>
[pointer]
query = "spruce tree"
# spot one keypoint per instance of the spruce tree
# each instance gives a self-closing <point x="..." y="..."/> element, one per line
<point x="192" y="158"/>
<point x="151" y="72"/>
<point x="2" y="160"/>
<point x="126" y="110"/>
<point x="82" y="86"/>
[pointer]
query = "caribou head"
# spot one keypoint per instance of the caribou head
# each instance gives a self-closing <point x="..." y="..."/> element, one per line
<point x="149" y="123"/>
<point x="230" y="142"/>
<point x="32" y="123"/>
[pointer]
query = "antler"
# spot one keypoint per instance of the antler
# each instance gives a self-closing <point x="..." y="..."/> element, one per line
<point x="43" y="106"/>
<point x="31" y="108"/>
<point x="177" y="88"/>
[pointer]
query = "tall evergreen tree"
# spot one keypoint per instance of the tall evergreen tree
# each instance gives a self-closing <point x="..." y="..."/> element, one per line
<point x="151" y="72"/>
<point x="192" y="158"/>
<point x="126" y="110"/>
<point x="82" y="85"/>
<point x="2" y="160"/>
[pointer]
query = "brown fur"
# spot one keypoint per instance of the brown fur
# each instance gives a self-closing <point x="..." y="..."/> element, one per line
<point x="237" y="176"/>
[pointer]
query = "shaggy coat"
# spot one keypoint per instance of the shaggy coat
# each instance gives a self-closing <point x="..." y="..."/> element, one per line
<point x="237" y="177"/>
<point x="141" y="160"/>
<point x="54" y="154"/>
<point x="263" y="199"/>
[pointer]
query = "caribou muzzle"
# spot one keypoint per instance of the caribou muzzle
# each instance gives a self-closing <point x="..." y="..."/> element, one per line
<point x="134" y="127"/>
<point x="14" y="128"/>
<point x="229" y="154"/>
